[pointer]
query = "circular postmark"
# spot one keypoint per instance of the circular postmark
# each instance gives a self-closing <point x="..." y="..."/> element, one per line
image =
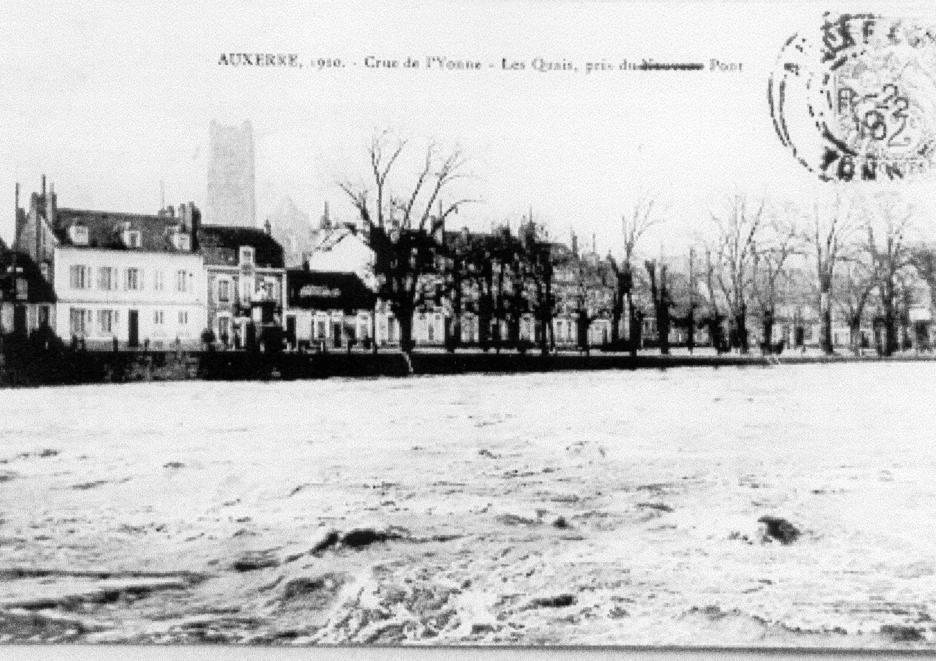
<point x="856" y="100"/>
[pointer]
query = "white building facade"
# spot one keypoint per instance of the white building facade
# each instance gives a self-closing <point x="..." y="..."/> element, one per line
<point x="141" y="298"/>
<point x="133" y="279"/>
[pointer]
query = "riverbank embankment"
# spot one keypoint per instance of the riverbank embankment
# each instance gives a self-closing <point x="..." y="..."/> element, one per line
<point x="86" y="367"/>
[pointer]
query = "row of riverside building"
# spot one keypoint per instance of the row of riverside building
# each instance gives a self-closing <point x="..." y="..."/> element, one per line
<point x="105" y="280"/>
<point x="102" y="280"/>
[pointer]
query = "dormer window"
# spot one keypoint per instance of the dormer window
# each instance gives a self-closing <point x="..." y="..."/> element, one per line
<point x="132" y="238"/>
<point x="246" y="255"/>
<point x="182" y="241"/>
<point x="78" y="234"/>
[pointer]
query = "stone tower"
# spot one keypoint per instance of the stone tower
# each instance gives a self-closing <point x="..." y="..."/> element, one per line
<point x="231" y="179"/>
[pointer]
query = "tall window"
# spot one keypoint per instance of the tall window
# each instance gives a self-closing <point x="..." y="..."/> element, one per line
<point x="107" y="278"/>
<point x="133" y="279"/>
<point x="159" y="280"/>
<point x="181" y="280"/>
<point x="79" y="276"/>
<point x="183" y="318"/>
<point x="224" y="291"/>
<point x="77" y="318"/>
<point x="105" y="321"/>
<point x="159" y="318"/>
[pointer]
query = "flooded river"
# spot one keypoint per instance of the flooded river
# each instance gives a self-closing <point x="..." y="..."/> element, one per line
<point x="568" y="508"/>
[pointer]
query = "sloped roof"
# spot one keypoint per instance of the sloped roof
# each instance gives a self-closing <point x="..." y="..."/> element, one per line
<point x="38" y="289"/>
<point x="327" y="290"/>
<point x="104" y="229"/>
<point x="220" y="245"/>
<point x="327" y="239"/>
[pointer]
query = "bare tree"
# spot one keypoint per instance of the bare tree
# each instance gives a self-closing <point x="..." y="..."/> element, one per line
<point x="682" y="292"/>
<point x="890" y="254"/>
<point x="771" y="255"/>
<point x="924" y="261"/>
<point x="662" y="302"/>
<point x="540" y="259"/>
<point x="589" y="292"/>
<point x="828" y="238"/>
<point x="633" y="226"/>
<point x="735" y="252"/>
<point x="852" y="291"/>
<point x="405" y="230"/>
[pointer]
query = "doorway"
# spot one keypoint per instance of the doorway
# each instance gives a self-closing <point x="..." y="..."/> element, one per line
<point x="133" y="332"/>
<point x="19" y="320"/>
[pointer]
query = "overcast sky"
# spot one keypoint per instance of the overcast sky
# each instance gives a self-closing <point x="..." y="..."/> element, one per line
<point x="109" y="100"/>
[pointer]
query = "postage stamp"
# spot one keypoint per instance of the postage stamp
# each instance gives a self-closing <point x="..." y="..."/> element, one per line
<point x="856" y="100"/>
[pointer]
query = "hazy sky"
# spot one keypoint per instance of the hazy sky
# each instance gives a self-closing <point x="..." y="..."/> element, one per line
<point x="108" y="100"/>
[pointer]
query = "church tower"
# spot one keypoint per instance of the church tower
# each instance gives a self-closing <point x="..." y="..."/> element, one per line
<point x="231" y="178"/>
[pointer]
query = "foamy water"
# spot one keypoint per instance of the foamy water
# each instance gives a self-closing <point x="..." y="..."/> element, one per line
<point x="572" y="508"/>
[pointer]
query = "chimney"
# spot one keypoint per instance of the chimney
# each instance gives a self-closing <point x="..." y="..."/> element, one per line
<point x="183" y="219"/>
<point x="267" y="227"/>
<point x="574" y="244"/>
<point x="326" y="221"/>
<point x="43" y="186"/>
<point x="194" y="222"/>
<point x="17" y="221"/>
<point x="51" y="205"/>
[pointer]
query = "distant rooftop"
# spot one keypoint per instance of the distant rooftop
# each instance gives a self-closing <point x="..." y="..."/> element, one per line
<point x="105" y="227"/>
<point x="220" y="244"/>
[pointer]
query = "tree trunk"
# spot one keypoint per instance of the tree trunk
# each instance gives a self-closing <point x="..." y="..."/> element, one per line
<point x="767" y="327"/>
<point x="663" y="315"/>
<point x="854" y="333"/>
<point x="454" y="337"/>
<point x="825" y="316"/>
<point x="890" y="320"/>
<point x="374" y="327"/>
<point x="549" y="313"/>
<point x="405" y="319"/>
<point x="485" y="305"/>
<point x="633" y="326"/>
<point x="690" y="324"/>
<point x="741" y="334"/>
<point x="616" y="313"/>
<point x="582" y="323"/>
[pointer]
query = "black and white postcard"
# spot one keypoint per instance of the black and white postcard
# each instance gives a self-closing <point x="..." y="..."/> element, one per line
<point x="468" y="324"/>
